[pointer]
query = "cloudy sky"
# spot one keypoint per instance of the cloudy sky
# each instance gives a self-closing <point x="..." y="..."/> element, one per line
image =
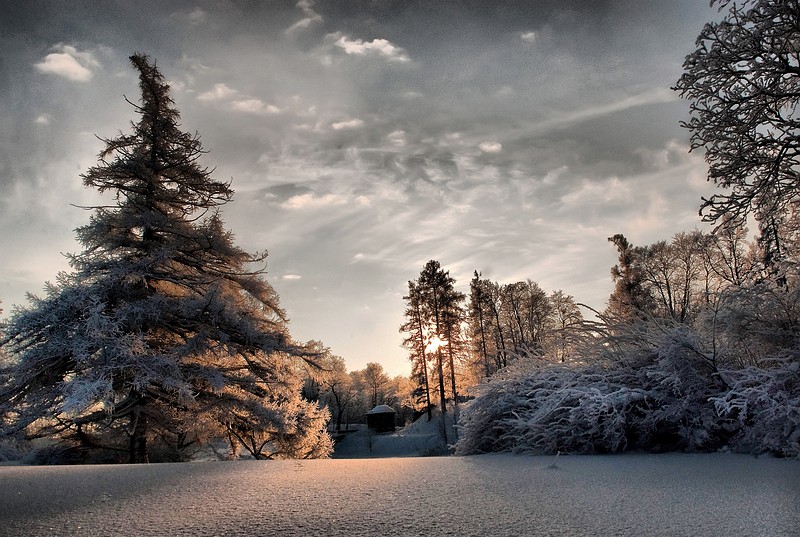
<point x="365" y="137"/>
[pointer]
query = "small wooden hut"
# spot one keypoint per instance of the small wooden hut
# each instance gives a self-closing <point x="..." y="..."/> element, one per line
<point x="381" y="419"/>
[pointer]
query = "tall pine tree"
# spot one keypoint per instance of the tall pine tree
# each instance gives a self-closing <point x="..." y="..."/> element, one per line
<point x="433" y="316"/>
<point x="161" y="334"/>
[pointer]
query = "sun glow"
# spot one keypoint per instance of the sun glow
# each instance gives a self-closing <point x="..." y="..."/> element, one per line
<point x="435" y="344"/>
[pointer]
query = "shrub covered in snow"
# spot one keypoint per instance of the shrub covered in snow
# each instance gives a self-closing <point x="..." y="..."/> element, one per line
<point x="655" y="385"/>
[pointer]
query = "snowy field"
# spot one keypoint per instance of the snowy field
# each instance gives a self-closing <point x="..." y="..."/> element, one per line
<point x="498" y="495"/>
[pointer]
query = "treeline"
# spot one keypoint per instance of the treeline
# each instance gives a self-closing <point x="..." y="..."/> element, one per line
<point x="507" y="320"/>
<point x="454" y="343"/>
<point x="698" y="350"/>
<point x="349" y="395"/>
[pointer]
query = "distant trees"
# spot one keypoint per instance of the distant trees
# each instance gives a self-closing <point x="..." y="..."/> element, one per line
<point x="349" y="395"/>
<point x="507" y="321"/>
<point x="162" y="336"/>
<point x="664" y="279"/>
<point x="742" y="83"/>
<point x="679" y="278"/>
<point x="565" y="316"/>
<point x="375" y="383"/>
<point x="500" y="323"/>
<point x="485" y="326"/>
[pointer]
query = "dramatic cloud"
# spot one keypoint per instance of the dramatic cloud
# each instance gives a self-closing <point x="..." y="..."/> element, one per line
<point x="69" y="63"/>
<point x="195" y="17"/>
<point x="365" y="138"/>
<point x="222" y="93"/>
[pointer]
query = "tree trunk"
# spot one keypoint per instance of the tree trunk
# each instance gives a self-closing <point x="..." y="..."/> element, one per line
<point x="453" y="382"/>
<point x="137" y="449"/>
<point x="483" y="342"/>
<point x="442" y="397"/>
<point x="424" y="364"/>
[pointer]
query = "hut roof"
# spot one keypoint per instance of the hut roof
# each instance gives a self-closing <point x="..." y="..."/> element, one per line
<point x="382" y="409"/>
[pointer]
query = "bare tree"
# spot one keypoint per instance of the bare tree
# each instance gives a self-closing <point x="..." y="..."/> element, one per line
<point x="565" y="315"/>
<point x="743" y="83"/>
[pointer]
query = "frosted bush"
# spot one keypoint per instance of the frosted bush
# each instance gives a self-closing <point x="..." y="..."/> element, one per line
<point x="653" y="387"/>
<point x="765" y="406"/>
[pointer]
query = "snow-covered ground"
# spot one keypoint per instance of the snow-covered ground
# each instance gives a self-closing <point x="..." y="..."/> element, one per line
<point x="419" y="439"/>
<point x="499" y="495"/>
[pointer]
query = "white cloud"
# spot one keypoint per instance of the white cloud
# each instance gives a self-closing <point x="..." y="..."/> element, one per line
<point x="291" y="277"/>
<point x="43" y="119"/>
<point x="237" y="101"/>
<point x="376" y="47"/>
<point x="310" y="201"/>
<point x="69" y="63"/>
<point x="311" y="17"/>
<point x="254" y="106"/>
<point x="528" y="37"/>
<point x="397" y="138"/>
<point x="490" y="147"/>
<point x="218" y="93"/>
<point x="591" y="193"/>
<point x="347" y="124"/>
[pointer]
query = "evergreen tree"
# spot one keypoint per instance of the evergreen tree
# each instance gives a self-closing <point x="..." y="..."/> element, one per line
<point x="434" y="315"/>
<point x="161" y="333"/>
<point x="479" y="323"/>
<point x="629" y="298"/>
<point x="415" y="342"/>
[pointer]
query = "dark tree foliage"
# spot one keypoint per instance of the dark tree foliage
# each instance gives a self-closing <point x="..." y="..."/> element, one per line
<point x="161" y="333"/>
<point x="415" y="341"/>
<point x="743" y="83"/>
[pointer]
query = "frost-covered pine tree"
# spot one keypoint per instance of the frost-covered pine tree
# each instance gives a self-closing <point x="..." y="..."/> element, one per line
<point x="161" y="336"/>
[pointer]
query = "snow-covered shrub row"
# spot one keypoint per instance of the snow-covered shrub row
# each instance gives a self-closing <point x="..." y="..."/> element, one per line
<point x="594" y="409"/>
<point x="654" y="385"/>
